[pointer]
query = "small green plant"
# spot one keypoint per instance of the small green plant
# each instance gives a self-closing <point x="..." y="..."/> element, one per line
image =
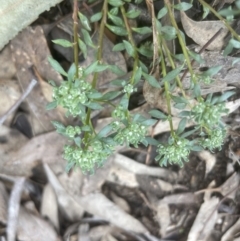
<point x="80" y="98"/>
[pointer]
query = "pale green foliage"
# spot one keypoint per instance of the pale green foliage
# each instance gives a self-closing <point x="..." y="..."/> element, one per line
<point x="79" y="97"/>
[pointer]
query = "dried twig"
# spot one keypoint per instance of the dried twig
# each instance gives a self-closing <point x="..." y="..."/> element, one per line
<point x="13" y="208"/>
<point x="15" y="106"/>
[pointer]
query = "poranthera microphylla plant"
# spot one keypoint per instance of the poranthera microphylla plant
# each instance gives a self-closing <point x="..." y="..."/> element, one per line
<point x="79" y="97"/>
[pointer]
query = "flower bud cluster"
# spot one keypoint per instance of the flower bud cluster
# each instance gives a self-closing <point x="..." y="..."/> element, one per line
<point x="214" y="140"/>
<point x="174" y="153"/>
<point x="129" y="89"/>
<point x="71" y="96"/>
<point x="72" y="131"/>
<point x="208" y="115"/>
<point x="132" y="134"/>
<point x="88" y="158"/>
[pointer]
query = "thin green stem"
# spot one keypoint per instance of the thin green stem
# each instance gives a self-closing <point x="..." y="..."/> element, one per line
<point x="99" y="58"/>
<point x="166" y="87"/>
<point x="181" y="41"/>
<point x="231" y="30"/>
<point x="75" y="36"/>
<point x="131" y="40"/>
<point x="172" y="65"/>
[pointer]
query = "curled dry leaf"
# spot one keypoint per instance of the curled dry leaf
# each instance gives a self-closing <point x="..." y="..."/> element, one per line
<point x="11" y="141"/>
<point x="49" y="207"/>
<point x="7" y="70"/>
<point x="35" y="54"/>
<point x="31" y="227"/>
<point x="10" y="92"/>
<point x="209" y="159"/>
<point x="141" y="169"/>
<point x="99" y="205"/>
<point x="205" y="220"/>
<point x="13" y="208"/>
<point x="232" y="232"/>
<point x="68" y="205"/>
<point x="122" y="177"/>
<point x="46" y="148"/>
<point x="3" y="204"/>
<point x="202" y="31"/>
<point x="163" y="217"/>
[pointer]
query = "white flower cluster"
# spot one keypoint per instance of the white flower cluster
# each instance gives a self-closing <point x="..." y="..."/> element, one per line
<point x="132" y="134"/>
<point x="70" y="96"/>
<point x="173" y="153"/>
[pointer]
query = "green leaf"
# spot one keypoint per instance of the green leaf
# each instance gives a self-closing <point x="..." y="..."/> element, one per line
<point x="117" y="30"/>
<point x="94" y="106"/>
<point x="96" y="17"/>
<point x="172" y="74"/>
<point x="235" y="43"/>
<point x="129" y="48"/>
<point x="179" y="99"/>
<point x="181" y="126"/>
<point x="197" y="90"/>
<point x="158" y="114"/>
<point x="169" y="30"/>
<point x="145" y="51"/>
<point x="185" y="113"/>
<point x="116" y="20"/>
<point x="124" y="102"/>
<point x="95" y="95"/>
<point x="143" y="30"/>
<point x="212" y="71"/>
<point x="235" y="61"/>
<point x="151" y="80"/>
<point x="115" y="3"/>
<point x="206" y="11"/>
<point x="116" y="70"/>
<point x="226" y="12"/>
<point x="114" y="11"/>
<point x="139" y="118"/>
<point x="104" y="131"/>
<point x="78" y="141"/>
<point x="51" y="105"/>
<point x="162" y="12"/>
<point x="226" y="95"/>
<point x="144" y="142"/>
<point x="228" y="49"/>
<point x="83" y="47"/>
<point x="87" y="38"/>
<point x="101" y="67"/>
<point x="84" y="21"/>
<point x="134" y="13"/>
<point x="118" y="47"/>
<point x="188" y="133"/>
<point x="91" y="68"/>
<point x="196" y="148"/>
<point x="137" y="76"/>
<point x="152" y="141"/>
<point x="110" y="95"/>
<point x="72" y="72"/>
<point x="196" y="57"/>
<point x="180" y="106"/>
<point x="58" y="125"/>
<point x="183" y="6"/>
<point x="52" y="83"/>
<point x="149" y="122"/>
<point x="118" y="82"/>
<point x="57" y="66"/>
<point x="63" y="42"/>
<point x="143" y="66"/>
